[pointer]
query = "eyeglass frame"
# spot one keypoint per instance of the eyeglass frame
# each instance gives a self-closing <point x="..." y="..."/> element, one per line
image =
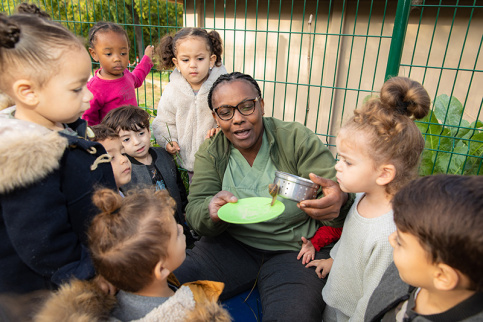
<point x="255" y="100"/>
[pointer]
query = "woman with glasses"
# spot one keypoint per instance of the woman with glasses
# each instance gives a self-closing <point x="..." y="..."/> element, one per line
<point x="240" y="162"/>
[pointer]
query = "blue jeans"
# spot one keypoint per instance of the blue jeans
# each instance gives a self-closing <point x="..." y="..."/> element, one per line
<point x="288" y="290"/>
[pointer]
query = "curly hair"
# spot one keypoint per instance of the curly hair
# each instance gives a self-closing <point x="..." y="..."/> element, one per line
<point x="231" y="77"/>
<point x="166" y="50"/>
<point x="389" y="130"/>
<point x="130" y="235"/>
<point x="102" y="27"/>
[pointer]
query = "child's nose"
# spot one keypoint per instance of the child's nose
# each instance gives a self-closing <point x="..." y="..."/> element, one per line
<point x="338" y="166"/>
<point x="87" y="95"/>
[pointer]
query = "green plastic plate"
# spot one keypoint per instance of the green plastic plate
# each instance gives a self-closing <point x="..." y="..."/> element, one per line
<point x="250" y="210"/>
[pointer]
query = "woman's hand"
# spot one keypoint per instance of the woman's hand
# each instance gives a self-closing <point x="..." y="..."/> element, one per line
<point x="172" y="147"/>
<point x="221" y="198"/>
<point x="327" y="207"/>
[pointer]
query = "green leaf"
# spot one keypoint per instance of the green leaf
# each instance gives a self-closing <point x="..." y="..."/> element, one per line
<point x="449" y="111"/>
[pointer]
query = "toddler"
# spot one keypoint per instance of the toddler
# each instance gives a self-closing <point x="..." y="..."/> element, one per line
<point x="379" y="150"/>
<point x="438" y="248"/>
<point x="150" y="165"/>
<point x="184" y="117"/>
<point x="113" y="84"/>
<point x="48" y="168"/>
<point x="121" y="166"/>
<point x="136" y="245"/>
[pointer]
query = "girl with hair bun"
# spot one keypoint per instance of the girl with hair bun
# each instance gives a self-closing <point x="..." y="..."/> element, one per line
<point x="49" y="169"/>
<point x="379" y="150"/>
<point x="136" y="244"/>
<point x="184" y="118"/>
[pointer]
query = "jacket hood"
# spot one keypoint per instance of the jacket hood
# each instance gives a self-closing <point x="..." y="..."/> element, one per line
<point x="28" y="151"/>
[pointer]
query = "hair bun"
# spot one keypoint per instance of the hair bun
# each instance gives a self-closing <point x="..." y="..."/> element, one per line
<point x="406" y="97"/>
<point x="9" y="32"/>
<point x="108" y="201"/>
<point x="31" y="9"/>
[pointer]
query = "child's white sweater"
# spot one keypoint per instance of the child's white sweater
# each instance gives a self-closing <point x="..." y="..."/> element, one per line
<point x="361" y="257"/>
<point x="188" y="116"/>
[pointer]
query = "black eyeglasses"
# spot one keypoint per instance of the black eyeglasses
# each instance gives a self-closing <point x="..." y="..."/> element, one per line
<point x="246" y="107"/>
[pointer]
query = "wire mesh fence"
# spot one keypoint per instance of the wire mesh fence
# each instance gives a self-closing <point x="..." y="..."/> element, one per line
<point x="316" y="61"/>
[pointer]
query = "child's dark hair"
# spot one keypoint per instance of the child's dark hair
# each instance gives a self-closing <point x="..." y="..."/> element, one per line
<point x="31" y="9"/>
<point x="31" y="46"/>
<point x="445" y="213"/>
<point x="103" y="132"/>
<point x="231" y="77"/>
<point x="130" y="235"/>
<point x="386" y="126"/>
<point x="105" y="26"/>
<point x="166" y="49"/>
<point x="127" y="118"/>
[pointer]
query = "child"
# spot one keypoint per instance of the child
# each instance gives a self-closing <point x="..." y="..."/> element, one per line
<point x="379" y="150"/>
<point x="113" y="84"/>
<point x="48" y="168"/>
<point x="150" y="165"/>
<point x="121" y="166"/>
<point x="184" y="117"/>
<point x="438" y="248"/>
<point x="136" y="245"/>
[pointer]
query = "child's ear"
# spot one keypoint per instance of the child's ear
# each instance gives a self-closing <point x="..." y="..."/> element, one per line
<point x="25" y="91"/>
<point x="93" y="54"/>
<point x="160" y="272"/>
<point x="445" y="277"/>
<point x="386" y="175"/>
<point x="212" y="61"/>
<point x="175" y="62"/>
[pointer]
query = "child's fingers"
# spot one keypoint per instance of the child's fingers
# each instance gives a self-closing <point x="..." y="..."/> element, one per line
<point x="301" y="253"/>
<point x="313" y="263"/>
<point x="304" y="240"/>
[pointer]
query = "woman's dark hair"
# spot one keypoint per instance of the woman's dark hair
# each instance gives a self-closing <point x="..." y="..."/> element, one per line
<point x="228" y="78"/>
<point x="166" y="50"/>
<point x="105" y="26"/>
<point x="130" y="235"/>
<point x="445" y="214"/>
<point x="127" y="118"/>
<point x="386" y="125"/>
<point x="31" y="46"/>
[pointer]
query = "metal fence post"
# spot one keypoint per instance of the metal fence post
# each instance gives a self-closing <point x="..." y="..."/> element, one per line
<point x="398" y="37"/>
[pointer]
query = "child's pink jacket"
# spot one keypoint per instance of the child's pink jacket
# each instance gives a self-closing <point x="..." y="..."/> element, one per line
<point x="110" y="94"/>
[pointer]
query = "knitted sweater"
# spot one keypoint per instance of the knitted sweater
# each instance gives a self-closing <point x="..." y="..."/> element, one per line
<point x="361" y="257"/>
<point x="187" y="115"/>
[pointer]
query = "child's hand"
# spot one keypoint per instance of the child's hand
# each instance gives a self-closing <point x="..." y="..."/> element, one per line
<point x="307" y="251"/>
<point x="149" y="51"/>
<point x="172" y="147"/>
<point x="212" y="132"/>
<point x="323" y="266"/>
<point x="105" y="286"/>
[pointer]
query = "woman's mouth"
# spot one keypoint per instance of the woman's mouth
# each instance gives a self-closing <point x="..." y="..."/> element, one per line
<point x="242" y="134"/>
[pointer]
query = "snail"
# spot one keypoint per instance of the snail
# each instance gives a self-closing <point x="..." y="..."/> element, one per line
<point x="273" y="191"/>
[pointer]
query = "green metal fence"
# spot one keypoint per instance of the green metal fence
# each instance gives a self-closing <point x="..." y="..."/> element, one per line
<point x="316" y="61"/>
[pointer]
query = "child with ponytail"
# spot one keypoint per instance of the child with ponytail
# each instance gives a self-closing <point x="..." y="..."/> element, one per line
<point x="379" y="150"/>
<point x="184" y="118"/>
<point x="48" y="167"/>
<point x="136" y="244"/>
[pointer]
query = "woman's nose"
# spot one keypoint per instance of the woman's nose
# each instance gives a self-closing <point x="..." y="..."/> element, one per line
<point x="238" y="117"/>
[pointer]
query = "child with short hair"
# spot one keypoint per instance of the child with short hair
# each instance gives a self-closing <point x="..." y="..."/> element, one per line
<point x="49" y="169"/>
<point x="113" y="84"/>
<point x="136" y="245"/>
<point x="438" y="247"/>
<point x="121" y="166"/>
<point x="379" y="150"/>
<point x="184" y="117"/>
<point x="150" y="165"/>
